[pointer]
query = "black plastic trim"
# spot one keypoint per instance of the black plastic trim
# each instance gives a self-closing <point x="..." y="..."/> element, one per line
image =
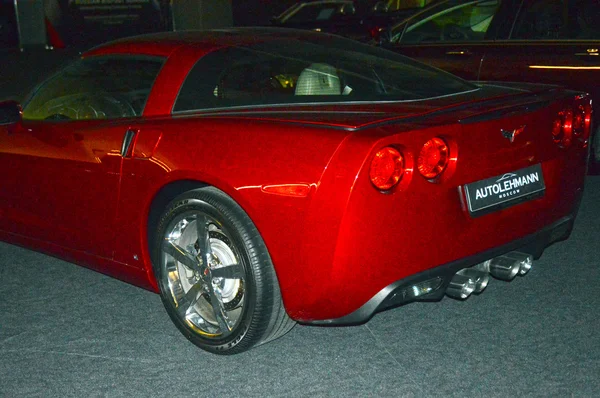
<point x="127" y="141"/>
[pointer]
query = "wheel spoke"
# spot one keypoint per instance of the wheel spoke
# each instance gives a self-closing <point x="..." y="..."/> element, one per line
<point x="231" y="271"/>
<point x="189" y="299"/>
<point x="219" y="311"/>
<point x="203" y="239"/>
<point x="181" y="255"/>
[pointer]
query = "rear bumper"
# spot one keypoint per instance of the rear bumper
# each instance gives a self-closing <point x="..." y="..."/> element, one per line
<point x="395" y="294"/>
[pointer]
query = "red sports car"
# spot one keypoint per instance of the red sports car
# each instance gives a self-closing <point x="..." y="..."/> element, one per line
<point x="256" y="178"/>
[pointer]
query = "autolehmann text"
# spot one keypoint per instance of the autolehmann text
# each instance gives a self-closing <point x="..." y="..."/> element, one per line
<point x="506" y="185"/>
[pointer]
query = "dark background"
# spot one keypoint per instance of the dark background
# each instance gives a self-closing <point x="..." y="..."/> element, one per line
<point x="155" y="16"/>
<point x="8" y="26"/>
<point x="245" y="13"/>
<point x="257" y="12"/>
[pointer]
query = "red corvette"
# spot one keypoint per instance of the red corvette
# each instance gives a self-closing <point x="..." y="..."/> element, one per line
<point x="258" y="177"/>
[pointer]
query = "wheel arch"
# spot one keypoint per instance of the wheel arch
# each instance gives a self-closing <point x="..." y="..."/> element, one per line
<point x="159" y="203"/>
<point x="165" y="194"/>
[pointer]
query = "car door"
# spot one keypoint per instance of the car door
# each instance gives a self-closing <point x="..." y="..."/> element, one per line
<point x="451" y="35"/>
<point x="551" y="41"/>
<point x="61" y="182"/>
<point x="62" y="164"/>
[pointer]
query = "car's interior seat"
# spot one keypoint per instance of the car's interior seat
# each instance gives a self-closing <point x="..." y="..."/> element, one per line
<point x="318" y="79"/>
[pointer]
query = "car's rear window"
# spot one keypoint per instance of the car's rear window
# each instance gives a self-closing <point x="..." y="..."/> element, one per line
<point x="322" y="69"/>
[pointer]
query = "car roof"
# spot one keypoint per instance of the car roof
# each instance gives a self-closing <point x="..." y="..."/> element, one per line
<point x="163" y="44"/>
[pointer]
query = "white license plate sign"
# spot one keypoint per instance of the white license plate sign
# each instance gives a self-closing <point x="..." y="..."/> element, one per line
<point x="505" y="190"/>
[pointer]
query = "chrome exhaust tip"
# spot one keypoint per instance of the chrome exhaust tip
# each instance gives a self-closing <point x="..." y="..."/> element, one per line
<point x="525" y="261"/>
<point x="480" y="278"/>
<point x="504" y="268"/>
<point x="476" y="278"/>
<point x="460" y="287"/>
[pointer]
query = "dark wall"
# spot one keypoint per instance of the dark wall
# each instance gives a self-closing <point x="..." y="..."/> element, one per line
<point x="68" y="20"/>
<point x="8" y="25"/>
<point x="258" y="12"/>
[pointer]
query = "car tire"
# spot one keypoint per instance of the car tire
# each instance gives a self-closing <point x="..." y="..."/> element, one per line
<point x="215" y="275"/>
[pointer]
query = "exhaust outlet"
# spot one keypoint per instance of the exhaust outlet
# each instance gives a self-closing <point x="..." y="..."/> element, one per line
<point x="480" y="278"/>
<point x="525" y="261"/>
<point x="504" y="268"/>
<point x="476" y="278"/>
<point x="460" y="286"/>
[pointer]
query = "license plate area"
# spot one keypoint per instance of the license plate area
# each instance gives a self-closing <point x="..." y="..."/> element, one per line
<point x="505" y="190"/>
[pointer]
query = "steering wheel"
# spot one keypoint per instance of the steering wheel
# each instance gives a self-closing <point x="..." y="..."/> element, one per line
<point x="87" y="106"/>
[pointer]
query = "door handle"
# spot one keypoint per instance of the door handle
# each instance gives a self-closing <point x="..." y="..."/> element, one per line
<point x="590" y="54"/>
<point x="459" y="52"/>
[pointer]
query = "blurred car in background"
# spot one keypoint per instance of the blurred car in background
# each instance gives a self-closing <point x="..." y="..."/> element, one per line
<point x="545" y="41"/>
<point x="360" y="20"/>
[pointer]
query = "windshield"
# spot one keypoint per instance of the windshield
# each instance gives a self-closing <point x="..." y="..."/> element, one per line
<point x="315" y="69"/>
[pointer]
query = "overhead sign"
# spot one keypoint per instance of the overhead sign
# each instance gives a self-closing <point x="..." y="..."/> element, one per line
<point x="97" y="21"/>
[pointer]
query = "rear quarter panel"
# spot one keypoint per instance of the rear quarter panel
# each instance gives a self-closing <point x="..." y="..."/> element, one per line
<point x="238" y="157"/>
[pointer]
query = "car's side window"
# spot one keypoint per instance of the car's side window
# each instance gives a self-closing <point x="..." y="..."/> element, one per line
<point x="215" y="81"/>
<point x="95" y="88"/>
<point x="558" y="20"/>
<point x="281" y="72"/>
<point x="396" y="5"/>
<point x="320" y="12"/>
<point x="541" y="20"/>
<point x="584" y="20"/>
<point x="462" y="22"/>
<point x="255" y="77"/>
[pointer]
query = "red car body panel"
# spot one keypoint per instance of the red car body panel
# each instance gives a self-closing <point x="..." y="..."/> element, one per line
<point x="335" y="247"/>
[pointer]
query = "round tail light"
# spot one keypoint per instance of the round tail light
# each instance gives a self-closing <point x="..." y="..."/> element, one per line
<point x="433" y="158"/>
<point x="579" y="121"/>
<point x="376" y="33"/>
<point x="582" y="122"/>
<point x="557" y="128"/>
<point x="562" y="129"/>
<point x="387" y="168"/>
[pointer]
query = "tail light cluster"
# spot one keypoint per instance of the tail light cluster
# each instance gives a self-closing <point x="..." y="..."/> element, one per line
<point x="582" y="122"/>
<point x="389" y="164"/>
<point x="433" y="158"/>
<point x="387" y="168"/>
<point x="376" y="33"/>
<point x="573" y="123"/>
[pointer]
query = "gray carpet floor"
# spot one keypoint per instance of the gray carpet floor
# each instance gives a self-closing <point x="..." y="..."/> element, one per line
<point x="66" y="331"/>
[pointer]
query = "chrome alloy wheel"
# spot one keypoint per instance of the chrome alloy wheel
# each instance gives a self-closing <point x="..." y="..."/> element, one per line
<point x="205" y="275"/>
<point x="215" y="275"/>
